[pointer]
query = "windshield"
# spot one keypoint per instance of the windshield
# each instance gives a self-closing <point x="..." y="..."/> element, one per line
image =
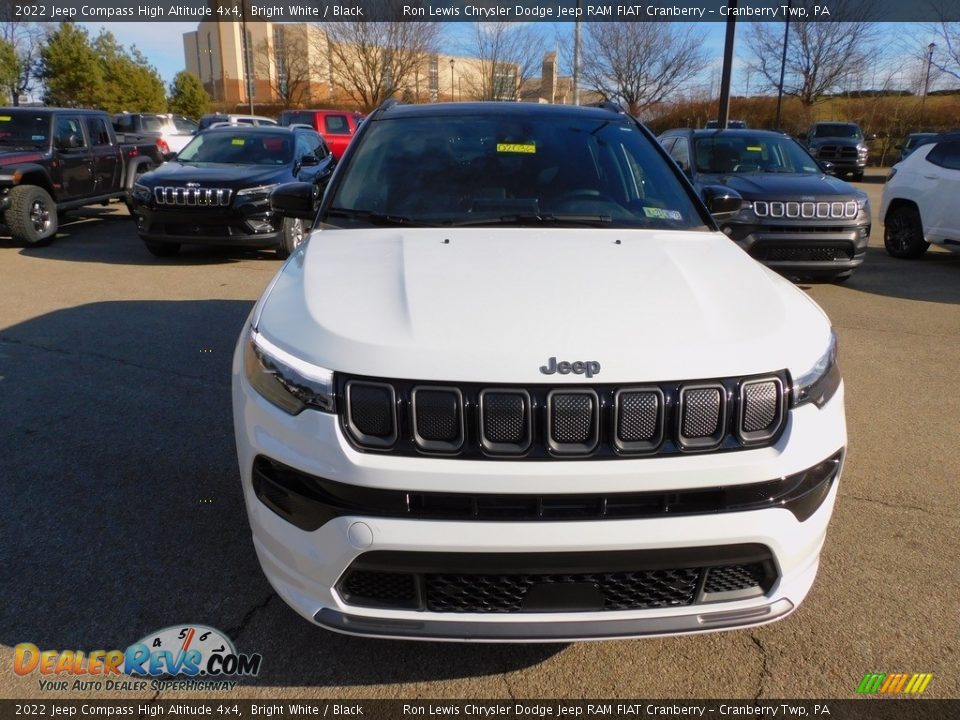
<point x="507" y="169"/>
<point x="239" y="148"/>
<point x="24" y="130"/>
<point x="836" y="130"/>
<point x="154" y="123"/>
<point x="184" y="125"/>
<point x="742" y="153"/>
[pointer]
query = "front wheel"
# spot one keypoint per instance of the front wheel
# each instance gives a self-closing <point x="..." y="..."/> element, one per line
<point x="294" y="234"/>
<point x="903" y="233"/>
<point x="32" y="216"/>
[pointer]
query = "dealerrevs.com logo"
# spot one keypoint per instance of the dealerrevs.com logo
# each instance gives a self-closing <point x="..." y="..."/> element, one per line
<point x="183" y="657"/>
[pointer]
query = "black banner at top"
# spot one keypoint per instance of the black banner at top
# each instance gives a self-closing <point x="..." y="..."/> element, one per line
<point x="777" y="11"/>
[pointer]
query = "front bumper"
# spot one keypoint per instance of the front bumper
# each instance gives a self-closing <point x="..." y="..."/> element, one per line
<point x="305" y="566"/>
<point x="249" y="224"/>
<point x="803" y="249"/>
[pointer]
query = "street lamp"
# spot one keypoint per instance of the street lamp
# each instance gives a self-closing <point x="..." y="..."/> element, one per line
<point x="926" y="83"/>
<point x="451" y="80"/>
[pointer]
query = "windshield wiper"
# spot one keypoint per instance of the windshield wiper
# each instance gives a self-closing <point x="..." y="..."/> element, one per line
<point x="538" y="219"/>
<point x="376" y="218"/>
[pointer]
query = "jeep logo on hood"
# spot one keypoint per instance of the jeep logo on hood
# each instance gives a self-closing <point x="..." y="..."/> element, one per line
<point x="579" y="367"/>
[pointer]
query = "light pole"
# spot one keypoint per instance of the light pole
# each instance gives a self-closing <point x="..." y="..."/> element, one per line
<point x="576" y="58"/>
<point x="926" y="82"/>
<point x="783" y="64"/>
<point x="451" y="80"/>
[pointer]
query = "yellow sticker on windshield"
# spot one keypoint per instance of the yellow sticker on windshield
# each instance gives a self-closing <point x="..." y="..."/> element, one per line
<point x="5" y="118"/>
<point x="754" y="148"/>
<point x="238" y="141"/>
<point x="516" y="148"/>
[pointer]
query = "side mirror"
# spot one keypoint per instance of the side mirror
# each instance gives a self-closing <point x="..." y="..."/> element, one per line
<point x="722" y="202"/>
<point x="826" y="166"/>
<point x="308" y="160"/>
<point x="168" y="156"/>
<point x="294" y="200"/>
<point x="68" y="141"/>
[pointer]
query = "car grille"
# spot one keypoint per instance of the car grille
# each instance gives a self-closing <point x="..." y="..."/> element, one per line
<point x="544" y="422"/>
<point x="837" y="152"/>
<point x="801" y="252"/>
<point x="204" y="197"/>
<point x="556" y="582"/>
<point x="846" y="209"/>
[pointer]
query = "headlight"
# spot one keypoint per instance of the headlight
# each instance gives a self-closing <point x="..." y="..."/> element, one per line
<point x="863" y="203"/>
<point x="141" y="192"/>
<point x="288" y="382"/>
<point x="820" y="382"/>
<point x="257" y="193"/>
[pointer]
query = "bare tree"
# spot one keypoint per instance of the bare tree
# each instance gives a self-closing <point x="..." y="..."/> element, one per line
<point x="508" y="55"/>
<point x="290" y="62"/>
<point x="822" y="57"/>
<point x="26" y="39"/>
<point x="946" y="37"/>
<point x="373" y="61"/>
<point x="640" y="63"/>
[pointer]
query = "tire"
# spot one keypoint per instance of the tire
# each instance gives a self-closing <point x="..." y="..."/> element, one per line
<point x="32" y="216"/>
<point x="294" y="233"/>
<point x="857" y="176"/>
<point x="162" y="249"/>
<point x="903" y="233"/>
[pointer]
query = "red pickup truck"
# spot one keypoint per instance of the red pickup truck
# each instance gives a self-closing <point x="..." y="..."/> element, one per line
<point x="55" y="159"/>
<point x="336" y="127"/>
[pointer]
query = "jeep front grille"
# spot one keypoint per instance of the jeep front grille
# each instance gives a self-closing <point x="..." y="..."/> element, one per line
<point x="188" y="196"/>
<point x="547" y="422"/>
<point x="834" y="210"/>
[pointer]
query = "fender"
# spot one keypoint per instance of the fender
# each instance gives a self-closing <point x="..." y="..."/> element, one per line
<point x="26" y="174"/>
<point x="133" y="165"/>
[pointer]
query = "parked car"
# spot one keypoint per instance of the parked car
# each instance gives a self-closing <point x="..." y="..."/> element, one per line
<point x="55" y="159"/>
<point x="795" y="218"/>
<point x="336" y="126"/>
<point x="208" y="120"/>
<point x="216" y="191"/>
<point x="731" y="125"/>
<point x="841" y="143"/>
<point x="919" y="204"/>
<point x="520" y="387"/>
<point x="170" y="132"/>
<point x="912" y="141"/>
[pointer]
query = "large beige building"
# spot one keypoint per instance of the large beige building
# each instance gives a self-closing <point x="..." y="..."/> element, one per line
<point x="293" y="64"/>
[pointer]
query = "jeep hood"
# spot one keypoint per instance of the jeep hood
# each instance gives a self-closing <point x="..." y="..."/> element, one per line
<point x="767" y="186"/>
<point x="494" y="304"/>
<point x="216" y="173"/>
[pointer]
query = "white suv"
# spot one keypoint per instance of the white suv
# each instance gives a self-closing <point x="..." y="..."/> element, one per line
<point x="518" y="387"/>
<point x="919" y="203"/>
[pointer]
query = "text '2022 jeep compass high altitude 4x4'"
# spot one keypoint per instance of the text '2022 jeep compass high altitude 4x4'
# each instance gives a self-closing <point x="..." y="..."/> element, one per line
<point x="517" y="386"/>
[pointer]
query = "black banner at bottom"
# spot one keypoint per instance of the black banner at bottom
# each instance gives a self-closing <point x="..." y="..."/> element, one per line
<point x="234" y="709"/>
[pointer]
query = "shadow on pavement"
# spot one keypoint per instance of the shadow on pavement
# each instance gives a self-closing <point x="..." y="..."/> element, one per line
<point x="123" y="512"/>
<point x="935" y="277"/>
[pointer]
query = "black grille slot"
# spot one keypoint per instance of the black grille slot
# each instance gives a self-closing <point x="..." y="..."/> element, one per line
<point x="505" y="420"/>
<point x="761" y="409"/>
<point x="733" y="578"/>
<point x="573" y="421"/>
<point x="379" y="589"/>
<point x="371" y="413"/>
<point x="509" y="593"/>
<point x="702" y="416"/>
<point x="802" y="253"/>
<point x="639" y="419"/>
<point x="438" y="418"/>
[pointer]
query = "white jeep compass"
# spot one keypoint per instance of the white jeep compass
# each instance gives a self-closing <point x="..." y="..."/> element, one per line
<point x="518" y="387"/>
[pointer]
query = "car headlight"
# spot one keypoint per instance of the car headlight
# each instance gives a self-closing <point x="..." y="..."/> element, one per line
<point x="257" y="193"/>
<point x="820" y="382"/>
<point x="141" y="192"/>
<point x="287" y="381"/>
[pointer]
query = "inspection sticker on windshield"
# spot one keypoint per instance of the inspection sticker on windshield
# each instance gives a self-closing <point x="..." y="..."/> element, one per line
<point x="238" y="141"/>
<point x="516" y="148"/>
<point x="662" y="213"/>
<point x="5" y="118"/>
<point x="754" y="148"/>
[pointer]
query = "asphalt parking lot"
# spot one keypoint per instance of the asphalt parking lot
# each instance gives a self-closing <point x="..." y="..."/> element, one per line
<point x="122" y="512"/>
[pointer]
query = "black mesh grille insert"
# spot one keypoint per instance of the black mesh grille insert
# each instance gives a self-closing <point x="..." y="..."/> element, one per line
<point x="362" y="587"/>
<point x="735" y="577"/>
<point x="701" y="413"/>
<point x="507" y="593"/>
<point x="760" y="406"/>
<point x="638" y="416"/>
<point x="371" y="409"/>
<point x="800" y="253"/>
<point x="438" y="415"/>
<point x="572" y="418"/>
<point x="504" y="417"/>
